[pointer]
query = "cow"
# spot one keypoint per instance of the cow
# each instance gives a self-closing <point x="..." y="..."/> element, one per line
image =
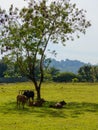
<point x="29" y="94"/>
<point x="38" y="103"/>
<point x="58" y="104"/>
<point x="21" y="100"/>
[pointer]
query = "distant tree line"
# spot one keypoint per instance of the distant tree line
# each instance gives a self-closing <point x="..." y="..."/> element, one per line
<point x="10" y="73"/>
<point x="86" y="73"/>
<point x="3" y="68"/>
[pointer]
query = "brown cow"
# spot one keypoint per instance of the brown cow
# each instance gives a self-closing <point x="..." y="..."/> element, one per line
<point x="58" y="104"/>
<point x="39" y="103"/>
<point x="21" y="100"/>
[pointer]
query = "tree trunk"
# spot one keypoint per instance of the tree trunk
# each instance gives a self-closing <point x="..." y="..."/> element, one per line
<point x="37" y="88"/>
<point x="38" y="93"/>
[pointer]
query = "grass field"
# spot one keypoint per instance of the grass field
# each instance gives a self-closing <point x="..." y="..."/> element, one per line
<point x="80" y="113"/>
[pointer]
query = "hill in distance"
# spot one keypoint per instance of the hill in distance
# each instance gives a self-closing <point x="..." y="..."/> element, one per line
<point x="67" y="65"/>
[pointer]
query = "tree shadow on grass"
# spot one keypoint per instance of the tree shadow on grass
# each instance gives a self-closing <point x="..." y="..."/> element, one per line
<point x="11" y="108"/>
<point x="83" y="106"/>
<point x="71" y="109"/>
<point x="77" y="109"/>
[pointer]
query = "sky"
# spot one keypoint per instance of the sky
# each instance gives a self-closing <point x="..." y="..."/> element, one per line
<point x="85" y="48"/>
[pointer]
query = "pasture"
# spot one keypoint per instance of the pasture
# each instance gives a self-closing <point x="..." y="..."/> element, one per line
<point x="80" y="113"/>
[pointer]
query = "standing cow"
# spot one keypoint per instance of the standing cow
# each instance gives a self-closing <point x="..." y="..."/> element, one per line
<point x="21" y="100"/>
<point x="29" y="94"/>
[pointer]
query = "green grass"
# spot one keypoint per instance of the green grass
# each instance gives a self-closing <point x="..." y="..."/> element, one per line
<point x="80" y="113"/>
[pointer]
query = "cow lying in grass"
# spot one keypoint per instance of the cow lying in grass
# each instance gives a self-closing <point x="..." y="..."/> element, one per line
<point x="58" y="104"/>
<point x="21" y="100"/>
<point x="38" y="103"/>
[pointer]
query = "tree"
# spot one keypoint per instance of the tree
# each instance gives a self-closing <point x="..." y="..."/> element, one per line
<point x="88" y="73"/>
<point x="65" y="77"/>
<point x="96" y="72"/>
<point x="26" y="33"/>
<point x="51" y="73"/>
<point x="12" y="71"/>
<point x="3" y="68"/>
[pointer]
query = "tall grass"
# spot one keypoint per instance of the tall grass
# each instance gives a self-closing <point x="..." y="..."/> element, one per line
<point x="80" y="113"/>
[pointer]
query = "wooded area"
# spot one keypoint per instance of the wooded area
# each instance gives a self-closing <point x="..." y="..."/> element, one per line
<point x="86" y="73"/>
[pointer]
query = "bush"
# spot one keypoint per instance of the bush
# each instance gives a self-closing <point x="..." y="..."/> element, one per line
<point x="65" y="77"/>
<point x="75" y="80"/>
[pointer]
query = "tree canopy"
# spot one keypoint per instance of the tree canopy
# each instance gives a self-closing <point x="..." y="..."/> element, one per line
<point x="88" y="73"/>
<point x="25" y="33"/>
